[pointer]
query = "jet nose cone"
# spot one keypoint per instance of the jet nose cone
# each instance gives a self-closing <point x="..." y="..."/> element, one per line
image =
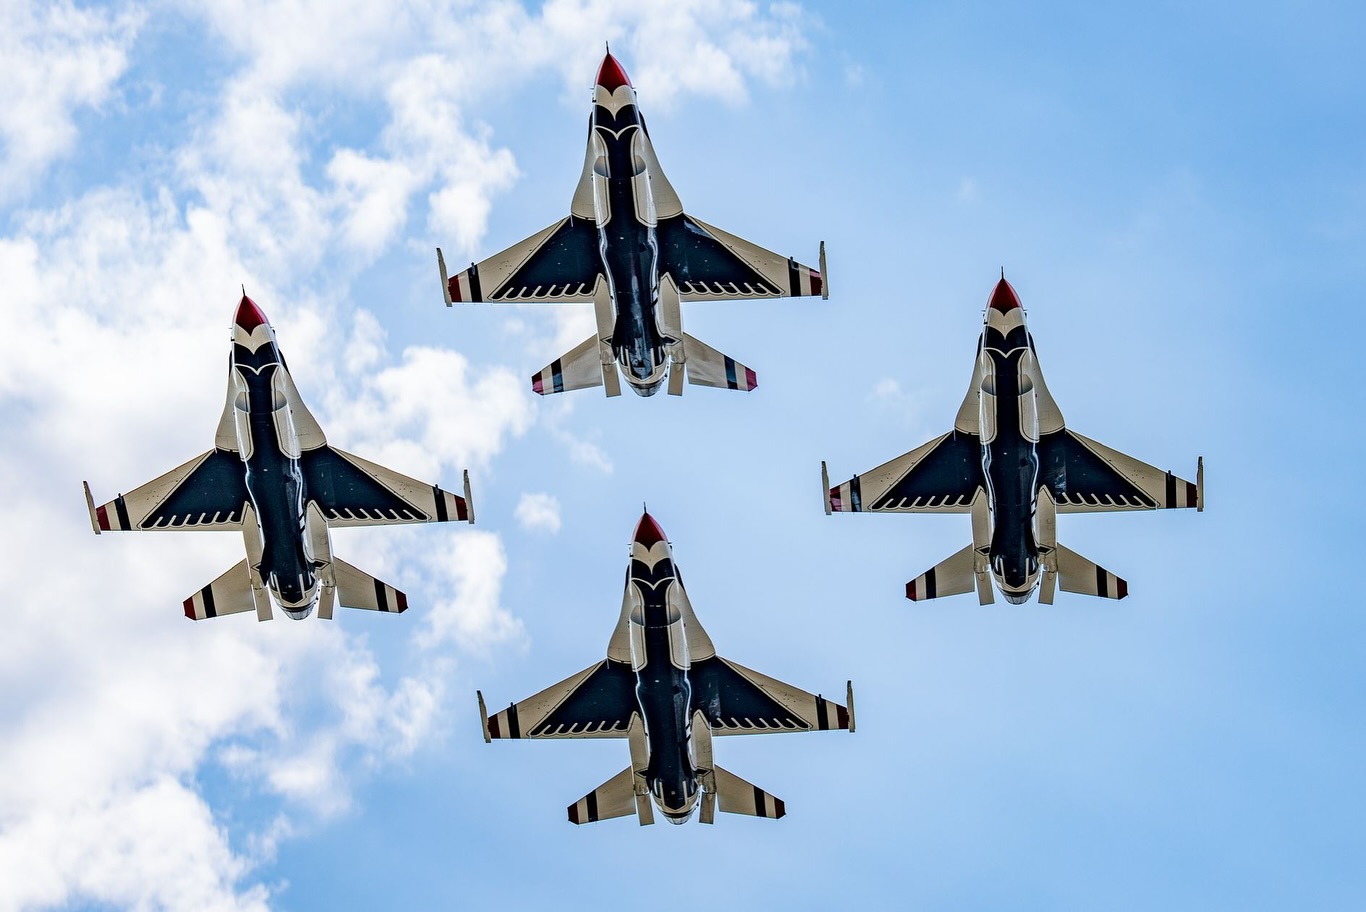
<point x="648" y="532"/>
<point x="1003" y="297"/>
<point x="610" y="75"/>
<point x="249" y="316"/>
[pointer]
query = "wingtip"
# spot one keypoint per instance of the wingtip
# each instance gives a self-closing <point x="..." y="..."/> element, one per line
<point x="483" y="717"/>
<point x="825" y="275"/>
<point x="445" y="278"/>
<point x="825" y="487"/>
<point x="1200" y="484"/>
<point x="90" y="506"/>
<point x="469" y="500"/>
<point x="849" y="701"/>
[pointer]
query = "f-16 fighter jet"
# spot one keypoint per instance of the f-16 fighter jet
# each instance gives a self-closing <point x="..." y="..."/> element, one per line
<point x="272" y="476"/>
<point x="664" y="689"/>
<point x="628" y="247"/>
<point x="1012" y="463"/>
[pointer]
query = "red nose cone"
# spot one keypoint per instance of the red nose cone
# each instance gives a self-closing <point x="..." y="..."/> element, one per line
<point x="648" y="531"/>
<point x="249" y="316"/>
<point x="1003" y="297"/>
<point x="610" y="75"/>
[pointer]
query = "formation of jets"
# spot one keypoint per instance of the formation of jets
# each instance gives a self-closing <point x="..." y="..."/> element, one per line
<point x="628" y="248"/>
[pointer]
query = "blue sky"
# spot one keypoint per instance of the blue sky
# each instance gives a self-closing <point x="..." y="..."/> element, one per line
<point x="1179" y="197"/>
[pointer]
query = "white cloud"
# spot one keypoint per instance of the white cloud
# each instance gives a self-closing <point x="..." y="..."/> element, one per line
<point x="887" y="388"/>
<point x="431" y="411"/>
<point x="117" y="305"/>
<point x="156" y="846"/>
<point x="538" y="511"/>
<point x="469" y="573"/>
<point x="55" y="59"/>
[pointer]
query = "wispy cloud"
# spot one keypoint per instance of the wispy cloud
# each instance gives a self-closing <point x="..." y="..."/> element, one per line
<point x="55" y="59"/>
<point x="539" y="512"/>
<point x="112" y="367"/>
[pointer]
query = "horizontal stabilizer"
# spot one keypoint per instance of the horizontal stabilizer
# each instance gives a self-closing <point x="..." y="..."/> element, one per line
<point x="358" y="589"/>
<point x="231" y="593"/>
<point x="951" y="576"/>
<point x="578" y="368"/>
<point x="736" y="796"/>
<point x="1077" y="574"/>
<point x="708" y="367"/>
<point x="614" y="798"/>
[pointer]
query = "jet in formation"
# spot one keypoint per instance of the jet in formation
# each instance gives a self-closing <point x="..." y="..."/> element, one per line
<point x="272" y="476"/>
<point x="1013" y="464"/>
<point x="629" y="248"/>
<point x="664" y="689"/>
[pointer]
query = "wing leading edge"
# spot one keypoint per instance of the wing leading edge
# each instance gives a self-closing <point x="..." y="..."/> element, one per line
<point x="595" y="703"/>
<point x="206" y="493"/>
<point x="560" y="264"/>
<point x="709" y="264"/>
<point x="1085" y="476"/>
<point x="942" y="476"/>
<point x="352" y="491"/>
<point x="740" y="701"/>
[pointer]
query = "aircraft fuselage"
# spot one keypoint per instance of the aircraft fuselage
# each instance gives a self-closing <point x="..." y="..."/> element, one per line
<point x="1009" y="429"/>
<point x="628" y="245"/>
<point x="659" y="657"/>
<point x="269" y="447"/>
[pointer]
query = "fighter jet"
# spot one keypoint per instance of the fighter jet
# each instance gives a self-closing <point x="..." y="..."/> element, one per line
<point x="1012" y="463"/>
<point x="664" y="689"/>
<point x="272" y="476"/>
<point x="628" y="247"/>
